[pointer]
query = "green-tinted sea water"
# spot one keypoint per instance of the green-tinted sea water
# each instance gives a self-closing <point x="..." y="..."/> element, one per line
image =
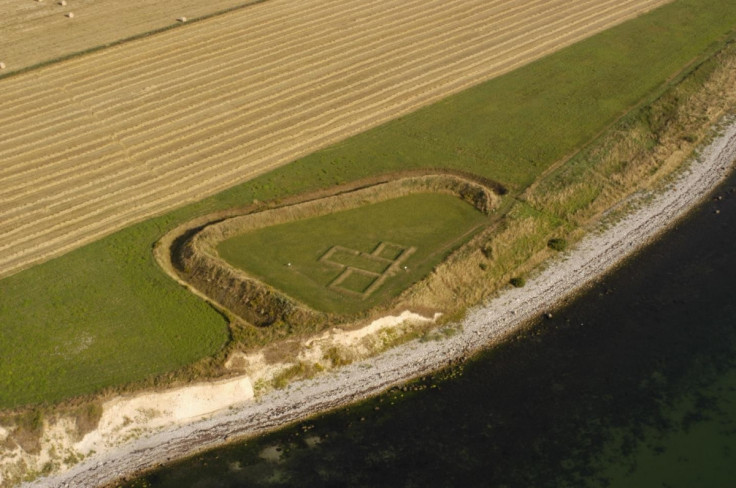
<point x="632" y="384"/>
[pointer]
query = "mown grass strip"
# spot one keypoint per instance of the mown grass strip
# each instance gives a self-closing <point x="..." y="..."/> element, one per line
<point x="105" y="315"/>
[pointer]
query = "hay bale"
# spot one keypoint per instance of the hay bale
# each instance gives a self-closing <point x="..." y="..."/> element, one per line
<point x="69" y="15"/>
<point x="2" y="65"/>
<point x="181" y="19"/>
<point x="63" y="3"/>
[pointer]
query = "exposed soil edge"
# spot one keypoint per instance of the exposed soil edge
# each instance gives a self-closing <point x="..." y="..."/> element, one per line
<point x="188" y="253"/>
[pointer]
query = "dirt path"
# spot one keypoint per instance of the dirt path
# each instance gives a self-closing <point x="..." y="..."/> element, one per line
<point x="595" y="255"/>
<point x="98" y="142"/>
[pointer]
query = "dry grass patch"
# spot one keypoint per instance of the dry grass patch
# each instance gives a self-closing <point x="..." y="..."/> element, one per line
<point x="645" y="148"/>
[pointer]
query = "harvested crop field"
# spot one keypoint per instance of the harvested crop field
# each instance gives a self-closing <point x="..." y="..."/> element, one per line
<point x="36" y="32"/>
<point x="97" y="142"/>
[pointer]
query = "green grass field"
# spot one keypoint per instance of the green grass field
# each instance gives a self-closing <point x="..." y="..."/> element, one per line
<point x="433" y="224"/>
<point x="105" y="314"/>
<point x="103" y="318"/>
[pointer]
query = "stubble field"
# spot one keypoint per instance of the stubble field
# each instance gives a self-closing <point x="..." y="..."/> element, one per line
<point x="104" y="140"/>
<point x="39" y="32"/>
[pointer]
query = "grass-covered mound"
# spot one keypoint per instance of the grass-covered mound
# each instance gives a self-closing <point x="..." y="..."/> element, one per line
<point x="326" y="257"/>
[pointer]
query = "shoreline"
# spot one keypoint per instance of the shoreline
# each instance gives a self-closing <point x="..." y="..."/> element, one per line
<point x="596" y="254"/>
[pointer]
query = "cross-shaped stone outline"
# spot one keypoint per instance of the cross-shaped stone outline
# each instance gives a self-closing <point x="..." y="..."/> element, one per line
<point x="378" y="278"/>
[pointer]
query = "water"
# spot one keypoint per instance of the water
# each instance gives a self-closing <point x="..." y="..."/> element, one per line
<point x="633" y="384"/>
